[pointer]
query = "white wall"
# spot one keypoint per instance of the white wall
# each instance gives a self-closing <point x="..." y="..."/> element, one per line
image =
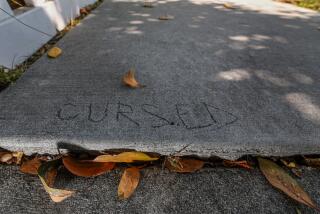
<point x="5" y="6"/>
<point x="18" y="42"/>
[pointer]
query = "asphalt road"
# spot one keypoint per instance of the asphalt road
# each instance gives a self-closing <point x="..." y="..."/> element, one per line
<point x="212" y="190"/>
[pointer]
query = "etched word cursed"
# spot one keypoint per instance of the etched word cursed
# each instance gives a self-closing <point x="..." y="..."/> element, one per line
<point x="188" y="116"/>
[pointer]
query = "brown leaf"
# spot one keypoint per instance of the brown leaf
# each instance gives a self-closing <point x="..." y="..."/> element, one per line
<point x="51" y="176"/>
<point x="129" y="80"/>
<point x="166" y="17"/>
<point x="84" y="11"/>
<point x="86" y="168"/>
<point x="125" y="157"/>
<point x="148" y="4"/>
<point x="54" y="52"/>
<point x="57" y="195"/>
<point x="314" y="162"/>
<point x="129" y="182"/>
<point x="243" y="164"/>
<point x="5" y="157"/>
<point x="281" y="180"/>
<point x="183" y="165"/>
<point x="31" y="166"/>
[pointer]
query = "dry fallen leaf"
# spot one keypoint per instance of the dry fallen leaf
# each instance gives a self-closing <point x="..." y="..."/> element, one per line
<point x="166" y="17"/>
<point x="31" y="166"/>
<point x="51" y="176"/>
<point x="243" y="164"/>
<point x="86" y="168"/>
<point x="129" y="80"/>
<point x="18" y="156"/>
<point x="229" y="6"/>
<point x="54" y="52"/>
<point x="314" y="162"/>
<point x="281" y="180"/>
<point x="125" y="157"/>
<point x="183" y="165"/>
<point x="148" y="4"/>
<point x="57" y="195"/>
<point x="129" y="182"/>
<point x="5" y="157"/>
<point x="84" y="11"/>
<point x="288" y="164"/>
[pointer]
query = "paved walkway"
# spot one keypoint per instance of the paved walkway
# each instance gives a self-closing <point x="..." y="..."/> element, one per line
<point x="227" y="82"/>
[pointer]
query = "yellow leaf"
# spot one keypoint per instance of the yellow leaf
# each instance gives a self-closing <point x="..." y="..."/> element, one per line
<point x="129" y="80"/>
<point x="125" y="157"/>
<point x="284" y="182"/>
<point x="288" y="164"/>
<point x="229" y="6"/>
<point x="31" y="166"/>
<point x="86" y="168"/>
<point x="57" y="195"/>
<point x="54" y="52"/>
<point x="129" y="182"/>
<point x="18" y="156"/>
<point x="183" y="165"/>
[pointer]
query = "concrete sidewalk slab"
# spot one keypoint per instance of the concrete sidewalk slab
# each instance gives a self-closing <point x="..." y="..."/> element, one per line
<point x="227" y="82"/>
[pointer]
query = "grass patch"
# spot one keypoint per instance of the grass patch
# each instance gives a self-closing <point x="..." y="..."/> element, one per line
<point x="9" y="76"/>
<point x="311" y="4"/>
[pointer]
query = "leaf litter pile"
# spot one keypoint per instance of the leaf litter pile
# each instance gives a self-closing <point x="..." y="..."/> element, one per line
<point x="276" y="170"/>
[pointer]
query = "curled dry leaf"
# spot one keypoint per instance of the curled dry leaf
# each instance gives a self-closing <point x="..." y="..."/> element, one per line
<point x="288" y="163"/>
<point x="31" y="166"/>
<point x="129" y="182"/>
<point x="242" y="164"/>
<point x="125" y="157"/>
<point x="314" y="162"/>
<point x="57" y="195"/>
<point x="51" y="176"/>
<point x="183" y="165"/>
<point x="166" y="17"/>
<point x="18" y="156"/>
<point x="229" y="6"/>
<point x="84" y="11"/>
<point x="54" y="52"/>
<point x="5" y="157"/>
<point x="148" y="4"/>
<point x="86" y="168"/>
<point x="129" y="80"/>
<point x="281" y="180"/>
